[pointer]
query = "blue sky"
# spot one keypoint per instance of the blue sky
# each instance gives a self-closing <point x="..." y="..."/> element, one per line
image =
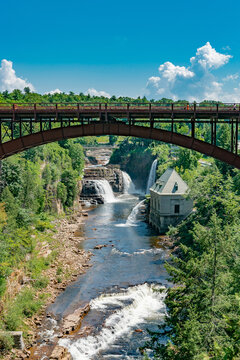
<point x="117" y="47"/>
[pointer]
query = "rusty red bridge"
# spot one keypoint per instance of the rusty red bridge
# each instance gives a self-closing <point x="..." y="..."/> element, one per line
<point x="23" y="126"/>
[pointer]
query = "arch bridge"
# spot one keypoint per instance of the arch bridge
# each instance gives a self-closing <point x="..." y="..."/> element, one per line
<point x="23" y="126"/>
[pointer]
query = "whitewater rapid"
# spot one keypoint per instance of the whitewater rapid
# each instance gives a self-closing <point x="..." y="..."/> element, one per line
<point x="136" y="305"/>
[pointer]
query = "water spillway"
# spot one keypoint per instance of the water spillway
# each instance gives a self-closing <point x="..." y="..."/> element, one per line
<point x="128" y="185"/>
<point x="104" y="188"/>
<point x="98" y="189"/>
<point x="152" y="176"/>
<point x="132" y="219"/>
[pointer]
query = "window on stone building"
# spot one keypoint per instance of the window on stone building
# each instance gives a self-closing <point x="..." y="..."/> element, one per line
<point x="176" y="209"/>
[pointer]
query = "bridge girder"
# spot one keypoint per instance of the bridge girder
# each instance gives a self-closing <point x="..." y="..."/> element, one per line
<point x="21" y="143"/>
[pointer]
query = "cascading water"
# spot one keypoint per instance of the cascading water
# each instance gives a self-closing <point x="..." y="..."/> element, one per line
<point x="132" y="218"/>
<point x="128" y="185"/>
<point x="119" y="286"/>
<point x="103" y="188"/>
<point x="152" y="176"/>
<point x="133" y="307"/>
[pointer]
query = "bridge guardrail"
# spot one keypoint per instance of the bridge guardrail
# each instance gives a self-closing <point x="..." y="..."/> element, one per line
<point x="203" y="107"/>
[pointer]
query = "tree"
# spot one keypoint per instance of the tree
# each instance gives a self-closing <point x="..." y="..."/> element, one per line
<point x="27" y="90"/>
<point x="112" y="139"/>
<point x="62" y="192"/>
<point x="77" y="156"/>
<point x="204" y="306"/>
<point x="69" y="180"/>
<point x="186" y="159"/>
<point x="9" y="202"/>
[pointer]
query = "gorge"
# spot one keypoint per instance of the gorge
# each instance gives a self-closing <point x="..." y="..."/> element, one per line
<point x="127" y="267"/>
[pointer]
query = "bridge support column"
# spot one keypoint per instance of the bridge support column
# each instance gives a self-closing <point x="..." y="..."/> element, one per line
<point x="12" y="130"/>
<point x="172" y="118"/>
<point x="236" y="137"/>
<point x="213" y="130"/>
<point x="193" y="127"/>
<point x="232" y="135"/>
<point x="106" y="114"/>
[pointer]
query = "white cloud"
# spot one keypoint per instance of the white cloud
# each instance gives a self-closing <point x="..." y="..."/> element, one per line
<point x="209" y="58"/>
<point x="170" y="71"/>
<point x="56" y="91"/>
<point x="8" y="79"/>
<point x="154" y="80"/>
<point x="231" y="77"/>
<point x="195" y="82"/>
<point x="94" y="92"/>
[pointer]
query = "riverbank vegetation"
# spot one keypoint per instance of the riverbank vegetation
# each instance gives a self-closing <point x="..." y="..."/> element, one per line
<point x="34" y="187"/>
<point x="203" y="304"/>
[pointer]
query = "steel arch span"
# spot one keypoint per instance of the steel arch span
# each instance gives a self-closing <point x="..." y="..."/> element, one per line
<point x="117" y="128"/>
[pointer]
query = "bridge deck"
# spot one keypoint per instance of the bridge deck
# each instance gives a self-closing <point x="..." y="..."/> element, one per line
<point x="119" y="110"/>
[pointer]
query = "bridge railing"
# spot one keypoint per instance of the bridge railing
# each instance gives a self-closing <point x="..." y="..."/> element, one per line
<point x="138" y="106"/>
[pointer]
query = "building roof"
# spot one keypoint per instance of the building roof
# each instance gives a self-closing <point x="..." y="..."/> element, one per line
<point x="170" y="183"/>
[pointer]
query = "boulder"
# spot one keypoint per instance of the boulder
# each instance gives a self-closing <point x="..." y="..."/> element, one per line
<point x="71" y="322"/>
<point x="60" y="353"/>
<point x="98" y="247"/>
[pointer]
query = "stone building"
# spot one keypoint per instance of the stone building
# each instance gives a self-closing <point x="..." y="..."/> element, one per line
<point x="168" y="202"/>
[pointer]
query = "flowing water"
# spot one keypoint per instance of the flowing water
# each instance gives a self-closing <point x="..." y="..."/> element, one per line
<point x="128" y="185"/>
<point x="120" y="286"/>
<point x="103" y="188"/>
<point x="152" y="176"/>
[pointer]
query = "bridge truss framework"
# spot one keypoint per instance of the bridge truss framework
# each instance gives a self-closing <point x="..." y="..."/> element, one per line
<point x="26" y="125"/>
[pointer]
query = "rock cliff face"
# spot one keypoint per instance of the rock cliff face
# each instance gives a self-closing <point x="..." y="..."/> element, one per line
<point x="111" y="173"/>
<point x="98" y="156"/>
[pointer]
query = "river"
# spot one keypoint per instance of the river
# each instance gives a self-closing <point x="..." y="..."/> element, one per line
<point x="120" y="285"/>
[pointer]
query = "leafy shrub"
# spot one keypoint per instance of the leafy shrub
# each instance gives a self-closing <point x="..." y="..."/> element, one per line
<point x="41" y="283"/>
<point x="62" y="192"/>
<point x="36" y="265"/>
<point x="6" y="343"/>
<point x="25" y="305"/>
<point x="42" y="225"/>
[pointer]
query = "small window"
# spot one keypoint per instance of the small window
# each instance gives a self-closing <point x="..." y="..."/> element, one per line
<point x="176" y="209"/>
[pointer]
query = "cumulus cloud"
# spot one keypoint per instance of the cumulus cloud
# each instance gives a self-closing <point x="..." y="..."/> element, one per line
<point x="9" y="80"/>
<point x="56" y="91"/>
<point x="171" y="72"/>
<point x="209" y="58"/>
<point x="94" y="92"/>
<point x="196" y="81"/>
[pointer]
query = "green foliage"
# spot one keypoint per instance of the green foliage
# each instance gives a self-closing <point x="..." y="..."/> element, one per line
<point x="36" y="265"/>
<point x="25" y="305"/>
<point x="47" y="175"/>
<point x="6" y="343"/>
<point x="204" y="305"/>
<point x="11" y="176"/>
<point x="186" y="160"/>
<point x="41" y="282"/>
<point x="77" y="156"/>
<point x="62" y="192"/>
<point x="70" y="182"/>
<point x="43" y="224"/>
<point x="113" y="139"/>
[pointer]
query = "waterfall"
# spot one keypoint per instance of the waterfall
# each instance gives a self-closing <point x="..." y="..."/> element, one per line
<point x="103" y="188"/>
<point x="128" y="185"/>
<point x="132" y="218"/>
<point x="152" y="176"/>
<point x="134" y="306"/>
